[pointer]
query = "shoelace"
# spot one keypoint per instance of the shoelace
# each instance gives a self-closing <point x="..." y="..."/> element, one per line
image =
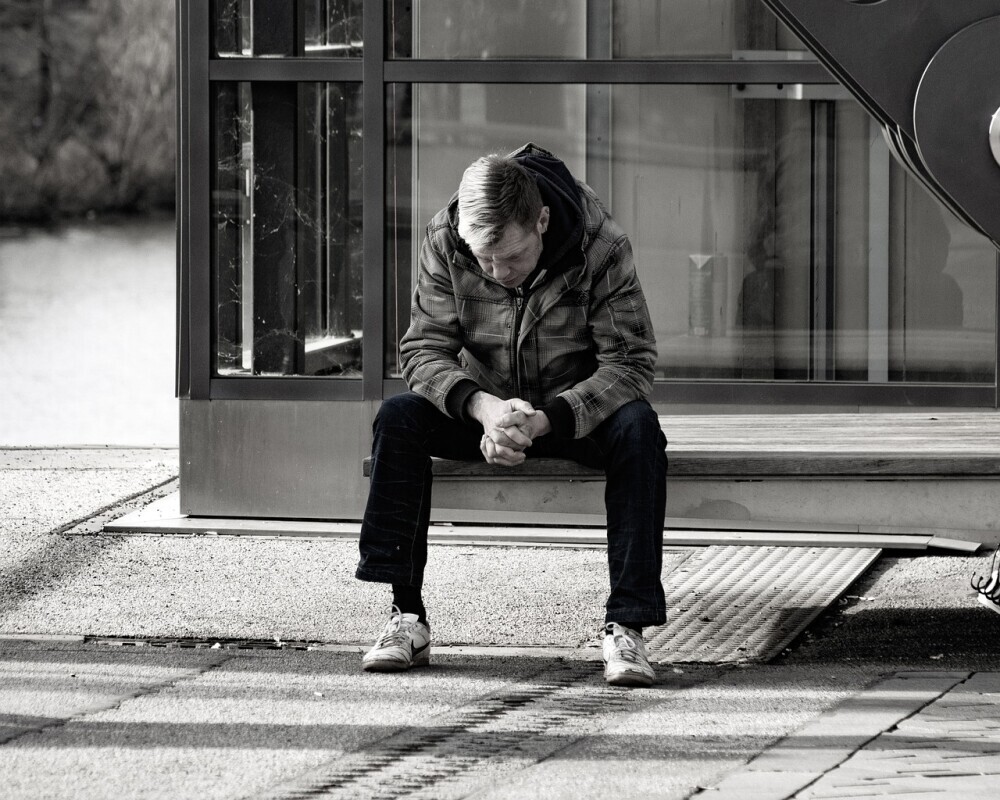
<point x="394" y="634"/>
<point x="626" y="648"/>
<point x="989" y="587"/>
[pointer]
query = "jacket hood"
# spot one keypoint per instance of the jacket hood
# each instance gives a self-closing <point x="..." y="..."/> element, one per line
<point x="562" y="242"/>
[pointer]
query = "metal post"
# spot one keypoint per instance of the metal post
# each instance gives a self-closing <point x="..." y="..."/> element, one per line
<point x="824" y="241"/>
<point x="878" y="255"/>
<point x="373" y="199"/>
<point x="598" y="153"/>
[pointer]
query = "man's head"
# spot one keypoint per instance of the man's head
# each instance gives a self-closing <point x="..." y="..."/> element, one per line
<point x="501" y="217"/>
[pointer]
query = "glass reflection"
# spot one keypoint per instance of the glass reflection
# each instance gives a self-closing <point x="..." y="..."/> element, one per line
<point x="270" y="28"/>
<point x="696" y="28"/>
<point x="635" y="29"/>
<point x="287" y="246"/>
<point x="775" y="237"/>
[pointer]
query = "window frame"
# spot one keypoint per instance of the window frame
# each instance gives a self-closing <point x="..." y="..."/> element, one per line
<point x="198" y="70"/>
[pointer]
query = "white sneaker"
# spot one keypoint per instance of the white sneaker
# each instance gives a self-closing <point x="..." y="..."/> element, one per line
<point x="989" y="592"/>
<point x="625" y="659"/>
<point x="404" y="642"/>
<point x="989" y="588"/>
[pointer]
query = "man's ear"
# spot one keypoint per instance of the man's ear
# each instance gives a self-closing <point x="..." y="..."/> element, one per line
<point x="543" y="219"/>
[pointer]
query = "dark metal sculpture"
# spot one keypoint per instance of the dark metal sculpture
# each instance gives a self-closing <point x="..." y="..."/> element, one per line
<point x="929" y="72"/>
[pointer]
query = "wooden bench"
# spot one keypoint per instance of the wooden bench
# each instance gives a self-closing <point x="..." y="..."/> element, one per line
<point x="913" y="470"/>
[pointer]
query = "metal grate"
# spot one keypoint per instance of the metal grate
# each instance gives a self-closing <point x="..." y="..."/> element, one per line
<point x="731" y="604"/>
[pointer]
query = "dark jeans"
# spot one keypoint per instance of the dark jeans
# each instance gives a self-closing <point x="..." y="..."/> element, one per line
<point x="629" y="446"/>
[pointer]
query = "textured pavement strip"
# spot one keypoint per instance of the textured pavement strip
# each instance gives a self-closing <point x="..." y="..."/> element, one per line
<point x="916" y="734"/>
<point x="494" y="735"/>
<point x="737" y="603"/>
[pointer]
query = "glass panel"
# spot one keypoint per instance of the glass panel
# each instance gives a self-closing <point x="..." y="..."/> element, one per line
<point x="434" y="131"/>
<point x="333" y="28"/>
<point x="636" y="29"/>
<point x="773" y="234"/>
<point x="286" y="242"/>
<point x="697" y="28"/>
<point x="943" y="307"/>
<point x="487" y="29"/>
<point x="328" y="28"/>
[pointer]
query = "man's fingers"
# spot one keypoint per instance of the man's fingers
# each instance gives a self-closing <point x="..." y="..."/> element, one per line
<point x="497" y="454"/>
<point x="506" y="457"/>
<point x="511" y="437"/>
<point x="515" y="419"/>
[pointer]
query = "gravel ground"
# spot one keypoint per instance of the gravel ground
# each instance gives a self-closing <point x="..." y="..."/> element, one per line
<point x="57" y="578"/>
<point x="65" y="580"/>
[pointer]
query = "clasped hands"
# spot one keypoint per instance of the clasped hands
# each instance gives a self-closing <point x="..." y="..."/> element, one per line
<point x="509" y="427"/>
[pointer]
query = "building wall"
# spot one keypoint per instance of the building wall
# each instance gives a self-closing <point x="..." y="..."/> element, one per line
<point x="281" y="459"/>
<point x="833" y="278"/>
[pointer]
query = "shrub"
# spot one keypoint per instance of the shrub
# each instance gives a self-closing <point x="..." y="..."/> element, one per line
<point x="87" y="107"/>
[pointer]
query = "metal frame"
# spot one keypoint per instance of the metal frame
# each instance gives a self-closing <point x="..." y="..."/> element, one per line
<point x="197" y="70"/>
<point x="182" y="365"/>
<point x="373" y="200"/>
<point x="823" y="279"/>
<point x="194" y="284"/>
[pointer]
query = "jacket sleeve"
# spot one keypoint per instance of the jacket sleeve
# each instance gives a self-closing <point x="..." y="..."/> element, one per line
<point x="624" y="343"/>
<point x="430" y="347"/>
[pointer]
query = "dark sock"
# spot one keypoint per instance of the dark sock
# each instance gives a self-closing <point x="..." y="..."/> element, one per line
<point x="408" y="600"/>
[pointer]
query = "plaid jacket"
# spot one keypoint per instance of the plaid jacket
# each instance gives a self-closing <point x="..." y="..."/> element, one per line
<point x="584" y="334"/>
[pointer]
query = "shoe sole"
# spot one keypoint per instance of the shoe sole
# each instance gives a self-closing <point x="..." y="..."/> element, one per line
<point x="628" y="679"/>
<point x="422" y="660"/>
<point x="985" y="601"/>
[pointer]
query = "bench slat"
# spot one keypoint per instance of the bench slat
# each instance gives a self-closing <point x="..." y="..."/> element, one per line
<point x="555" y="468"/>
<point x="713" y="464"/>
<point x="752" y="446"/>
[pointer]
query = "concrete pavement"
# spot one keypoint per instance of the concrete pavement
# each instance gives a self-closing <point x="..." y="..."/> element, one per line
<point x="895" y="690"/>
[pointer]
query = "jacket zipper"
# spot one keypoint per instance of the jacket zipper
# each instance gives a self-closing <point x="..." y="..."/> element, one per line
<point x="518" y="315"/>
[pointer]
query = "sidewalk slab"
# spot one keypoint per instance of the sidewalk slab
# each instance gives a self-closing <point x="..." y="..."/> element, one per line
<point x="223" y="724"/>
<point x="919" y="735"/>
<point x="45" y="687"/>
<point x="227" y="724"/>
<point x="692" y="737"/>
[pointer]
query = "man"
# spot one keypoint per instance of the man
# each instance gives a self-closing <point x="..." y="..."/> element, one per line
<point x="529" y="336"/>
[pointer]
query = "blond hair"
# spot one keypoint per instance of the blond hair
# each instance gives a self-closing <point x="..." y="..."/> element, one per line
<point x="495" y="191"/>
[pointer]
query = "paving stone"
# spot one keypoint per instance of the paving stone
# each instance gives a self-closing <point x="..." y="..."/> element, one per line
<point x="42" y="692"/>
<point x="986" y="682"/>
<point x="913" y="735"/>
<point x="760" y="785"/>
<point x="816" y="759"/>
<point x="936" y="753"/>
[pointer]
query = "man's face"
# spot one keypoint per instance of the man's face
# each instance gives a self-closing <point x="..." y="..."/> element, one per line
<point x="516" y="255"/>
